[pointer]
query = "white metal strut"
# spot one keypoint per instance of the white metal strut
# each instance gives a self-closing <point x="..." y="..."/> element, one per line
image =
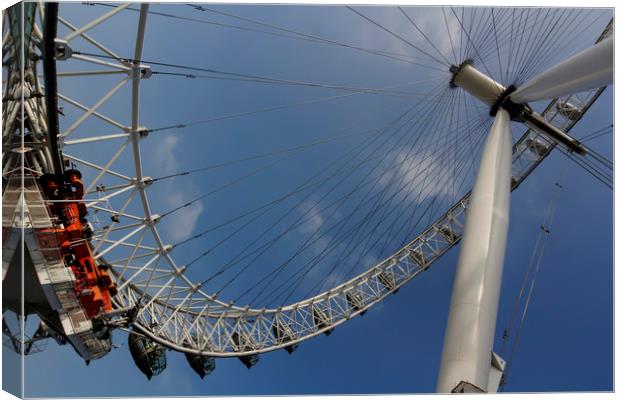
<point x="468" y="341"/>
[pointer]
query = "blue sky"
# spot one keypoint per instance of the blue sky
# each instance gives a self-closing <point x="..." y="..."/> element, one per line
<point x="566" y="343"/>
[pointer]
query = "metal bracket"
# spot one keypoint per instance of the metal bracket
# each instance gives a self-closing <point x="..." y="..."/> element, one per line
<point x="495" y="373"/>
<point x="140" y="71"/>
<point x="147" y="181"/>
<point x="495" y="376"/>
<point x="537" y="122"/>
<point x="467" y="387"/>
<point x="62" y="50"/>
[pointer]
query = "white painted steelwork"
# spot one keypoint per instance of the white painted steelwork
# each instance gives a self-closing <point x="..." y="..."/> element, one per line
<point x="468" y="342"/>
<point x="96" y="22"/>
<point x="470" y="331"/>
<point x="493" y="94"/>
<point x="478" y="84"/>
<point x="589" y="69"/>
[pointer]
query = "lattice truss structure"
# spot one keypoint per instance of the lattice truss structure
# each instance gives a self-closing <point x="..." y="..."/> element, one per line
<point x="38" y="158"/>
<point x="26" y="155"/>
<point x="172" y="309"/>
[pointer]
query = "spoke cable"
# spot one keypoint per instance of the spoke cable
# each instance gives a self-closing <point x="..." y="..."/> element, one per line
<point x="533" y="268"/>
<point x="397" y="36"/>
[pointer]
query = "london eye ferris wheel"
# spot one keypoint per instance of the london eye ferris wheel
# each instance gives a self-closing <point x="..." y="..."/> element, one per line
<point x="225" y="181"/>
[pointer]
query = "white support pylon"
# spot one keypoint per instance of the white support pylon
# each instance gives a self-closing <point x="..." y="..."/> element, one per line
<point x="589" y="69"/>
<point x="468" y="342"/>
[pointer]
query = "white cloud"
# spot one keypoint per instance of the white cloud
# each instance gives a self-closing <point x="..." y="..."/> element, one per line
<point x="325" y="219"/>
<point x="165" y="154"/>
<point x="420" y="172"/>
<point x="185" y="219"/>
<point x="178" y="191"/>
<point x="315" y="219"/>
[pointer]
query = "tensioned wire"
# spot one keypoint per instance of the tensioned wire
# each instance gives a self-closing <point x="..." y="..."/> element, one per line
<point x="351" y="170"/>
<point x="309" y="183"/>
<point x="597" y="133"/>
<point x="551" y="39"/>
<point x="473" y="156"/>
<point x="602" y="160"/>
<point x="382" y="206"/>
<point x="299" y="189"/>
<point x="554" y="44"/>
<point x="402" y="39"/>
<point x="216" y="118"/>
<point x="387" y="236"/>
<point x="439" y="180"/>
<point x="470" y="42"/>
<point x="355" y="90"/>
<point x="423" y="35"/>
<point x="564" y="22"/>
<point x="280" y="31"/>
<point x="473" y="20"/>
<point x="501" y="39"/>
<point x="495" y="38"/>
<point x="281" y="107"/>
<point x="261" y="110"/>
<point x="520" y="55"/>
<point x="479" y="28"/>
<point x="474" y="152"/>
<point x="518" y="42"/>
<point x="306" y="212"/>
<point x="603" y="174"/>
<point x="529" y="283"/>
<point x="295" y="149"/>
<point x="560" y="26"/>
<point x="353" y="264"/>
<point x="299" y="33"/>
<point x="208" y="251"/>
<point x="359" y="228"/>
<point x="242" y="76"/>
<point x="368" y="240"/>
<point x="355" y="229"/>
<point x="445" y="20"/>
